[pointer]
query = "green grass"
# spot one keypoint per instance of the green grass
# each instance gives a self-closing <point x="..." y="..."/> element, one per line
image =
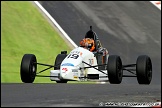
<point x="25" y="30"/>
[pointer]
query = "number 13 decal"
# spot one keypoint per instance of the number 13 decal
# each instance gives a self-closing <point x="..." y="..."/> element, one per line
<point x="74" y="56"/>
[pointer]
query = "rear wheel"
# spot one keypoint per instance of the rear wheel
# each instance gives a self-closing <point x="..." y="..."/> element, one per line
<point x="144" y="69"/>
<point x="58" y="61"/>
<point x="28" y="68"/>
<point x="114" y="68"/>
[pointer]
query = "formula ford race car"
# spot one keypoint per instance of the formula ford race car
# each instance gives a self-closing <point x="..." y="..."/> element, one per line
<point x="83" y="65"/>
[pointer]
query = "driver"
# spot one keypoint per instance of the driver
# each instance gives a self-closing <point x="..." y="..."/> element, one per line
<point x="88" y="43"/>
<point x="91" y="34"/>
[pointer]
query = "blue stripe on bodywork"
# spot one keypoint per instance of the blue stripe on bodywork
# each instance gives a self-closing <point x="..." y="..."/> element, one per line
<point x="67" y="64"/>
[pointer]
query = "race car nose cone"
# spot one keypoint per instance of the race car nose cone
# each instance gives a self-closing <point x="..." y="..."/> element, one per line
<point x="63" y="73"/>
<point x="62" y="76"/>
<point x="66" y="73"/>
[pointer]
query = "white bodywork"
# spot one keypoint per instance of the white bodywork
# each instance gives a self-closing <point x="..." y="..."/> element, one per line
<point x="70" y="66"/>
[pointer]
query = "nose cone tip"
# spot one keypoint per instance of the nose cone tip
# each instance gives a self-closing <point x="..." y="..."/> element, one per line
<point x="66" y="73"/>
<point x="63" y="75"/>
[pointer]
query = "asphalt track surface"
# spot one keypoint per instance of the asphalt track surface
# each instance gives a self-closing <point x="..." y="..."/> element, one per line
<point x="125" y="28"/>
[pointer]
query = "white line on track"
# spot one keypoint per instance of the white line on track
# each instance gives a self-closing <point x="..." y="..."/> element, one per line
<point x="55" y="23"/>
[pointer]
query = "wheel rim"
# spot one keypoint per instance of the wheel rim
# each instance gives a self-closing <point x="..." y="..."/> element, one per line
<point x="119" y="70"/>
<point x="33" y="69"/>
<point x="149" y="71"/>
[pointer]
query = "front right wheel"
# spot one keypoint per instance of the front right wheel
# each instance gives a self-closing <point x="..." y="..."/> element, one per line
<point x="28" y="68"/>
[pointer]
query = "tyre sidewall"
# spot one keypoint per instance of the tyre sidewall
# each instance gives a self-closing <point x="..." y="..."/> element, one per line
<point x="27" y="66"/>
<point x="144" y="69"/>
<point x="114" y="68"/>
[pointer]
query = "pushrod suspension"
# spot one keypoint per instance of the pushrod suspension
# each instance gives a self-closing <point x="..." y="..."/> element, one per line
<point x="94" y="67"/>
<point x="45" y="64"/>
<point x="129" y="65"/>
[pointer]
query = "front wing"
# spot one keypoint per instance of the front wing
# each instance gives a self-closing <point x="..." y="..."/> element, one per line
<point x="79" y="76"/>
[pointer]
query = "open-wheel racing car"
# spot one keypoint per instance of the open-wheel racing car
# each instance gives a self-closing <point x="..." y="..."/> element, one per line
<point x="83" y="65"/>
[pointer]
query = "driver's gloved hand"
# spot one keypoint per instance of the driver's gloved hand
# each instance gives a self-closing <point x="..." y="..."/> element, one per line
<point x="100" y="51"/>
<point x="95" y="53"/>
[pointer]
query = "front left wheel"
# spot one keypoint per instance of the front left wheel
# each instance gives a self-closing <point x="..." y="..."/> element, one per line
<point x="28" y="68"/>
<point x="114" y="68"/>
<point x="144" y="69"/>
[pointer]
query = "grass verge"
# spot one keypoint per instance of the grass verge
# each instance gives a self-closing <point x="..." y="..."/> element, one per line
<point x="25" y="30"/>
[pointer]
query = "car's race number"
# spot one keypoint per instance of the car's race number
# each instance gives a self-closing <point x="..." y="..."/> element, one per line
<point x="74" y="56"/>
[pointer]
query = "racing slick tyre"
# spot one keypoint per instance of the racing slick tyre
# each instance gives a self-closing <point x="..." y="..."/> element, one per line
<point x="144" y="69"/>
<point x="58" y="61"/>
<point x="28" y="68"/>
<point x="114" y="68"/>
